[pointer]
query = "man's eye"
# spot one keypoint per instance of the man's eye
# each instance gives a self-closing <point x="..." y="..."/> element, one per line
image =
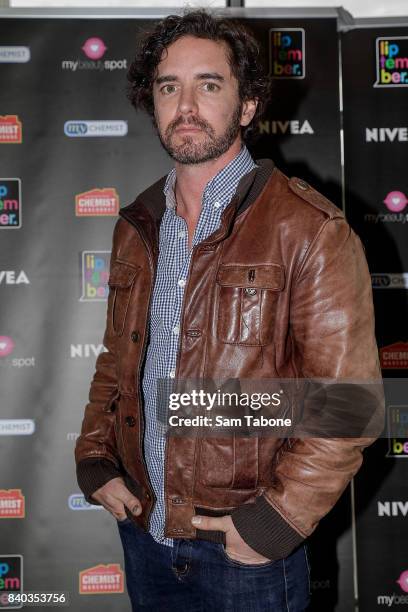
<point x="168" y="89"/>
<point x="210" y="86"/>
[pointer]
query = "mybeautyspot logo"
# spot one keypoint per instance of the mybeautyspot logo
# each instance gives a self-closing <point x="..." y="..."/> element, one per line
<point x="392" y="61"/>
<point x="396" y="202"/>
<point x="87" y="129"/>
<point x="94" y="49"/>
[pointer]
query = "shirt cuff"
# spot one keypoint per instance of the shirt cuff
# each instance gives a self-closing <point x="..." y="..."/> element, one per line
<point x="264" y="530"/>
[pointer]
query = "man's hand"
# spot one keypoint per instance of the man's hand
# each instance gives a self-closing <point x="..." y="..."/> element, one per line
<point x="114" y="496"/>
<point x="235" y="547"/>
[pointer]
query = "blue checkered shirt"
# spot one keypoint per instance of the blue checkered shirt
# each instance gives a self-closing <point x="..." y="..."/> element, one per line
<point x="172" y="271"/>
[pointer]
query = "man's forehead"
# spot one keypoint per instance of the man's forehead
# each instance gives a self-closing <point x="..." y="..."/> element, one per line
<point x="202" y="56"/>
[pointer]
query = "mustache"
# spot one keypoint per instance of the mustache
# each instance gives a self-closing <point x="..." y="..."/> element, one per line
<point x="195" y="122"/>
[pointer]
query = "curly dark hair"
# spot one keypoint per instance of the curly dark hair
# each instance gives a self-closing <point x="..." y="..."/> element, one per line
<point x="244" y="59"/>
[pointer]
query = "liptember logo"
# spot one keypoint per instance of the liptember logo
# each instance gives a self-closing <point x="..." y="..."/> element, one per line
<point x="11" y="129"/>
<point x="10" y="203"/>
<point x="87" y="129"/>
<point x="287" y="53"/>
<point x="95" y="276"/>
<point x="11" y="578"/>
<point x="394" y="356"/>
<point x="97" y="203"/>
<point x="101" y="579"/>
<point x="397" y="424"/>
<point x="392" y="61"/>
<point x="14" y="55"/>
<point x="12" y="504"/>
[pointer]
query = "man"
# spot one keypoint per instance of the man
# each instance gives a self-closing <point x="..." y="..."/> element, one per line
<point x="224" y="268"/>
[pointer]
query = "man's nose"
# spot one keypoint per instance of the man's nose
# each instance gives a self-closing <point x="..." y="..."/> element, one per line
<point x="187" y="101"/>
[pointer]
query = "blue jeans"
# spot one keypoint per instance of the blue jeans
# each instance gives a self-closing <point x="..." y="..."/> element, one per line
<point x="198" y="576"/>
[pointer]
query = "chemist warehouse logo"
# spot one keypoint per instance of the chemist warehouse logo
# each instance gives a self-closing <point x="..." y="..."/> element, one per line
<point x="12" y="503"/>
<point x="11" y="129"/>
<point x="97" y="203"/>
<point x="287" y="53"/>
<point x="392" y="61"/>
<point x="101" y="579"/>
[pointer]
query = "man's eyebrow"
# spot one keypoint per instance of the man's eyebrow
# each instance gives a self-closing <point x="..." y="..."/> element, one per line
<point x="202" y="75"/>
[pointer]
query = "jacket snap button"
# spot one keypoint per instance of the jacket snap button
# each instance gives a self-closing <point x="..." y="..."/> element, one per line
<point x="302" y="185"/>
<point x="194" y="333"/>
<point x="250" y="290"/>
<point x="131" y="421"/>
<point x="134" y="336"/>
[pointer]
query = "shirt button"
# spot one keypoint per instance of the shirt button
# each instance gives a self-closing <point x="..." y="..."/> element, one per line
<point x="176" y="330"/>
<point x="217" y="204"/>
<point x="172" y="373"/>
<point x="181" y="282"/>
<point x="182" y="234"/>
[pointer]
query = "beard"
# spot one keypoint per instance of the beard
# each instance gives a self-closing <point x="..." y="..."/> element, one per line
<point x="211" y="147"/>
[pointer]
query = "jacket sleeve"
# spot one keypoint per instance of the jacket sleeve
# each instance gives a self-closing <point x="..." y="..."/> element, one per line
<point x="96" y="456"/>
<point x="332" y="333"/>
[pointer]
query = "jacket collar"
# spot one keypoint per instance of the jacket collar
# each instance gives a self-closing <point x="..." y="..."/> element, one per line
<point x="146" y="211"/>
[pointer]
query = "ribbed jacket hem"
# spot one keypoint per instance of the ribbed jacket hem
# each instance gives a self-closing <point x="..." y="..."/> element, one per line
<point x="264" y="530"/>
<point x="93" y="474"/>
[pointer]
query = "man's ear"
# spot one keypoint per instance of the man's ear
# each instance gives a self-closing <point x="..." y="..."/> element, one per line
<point x="248" y="111"/>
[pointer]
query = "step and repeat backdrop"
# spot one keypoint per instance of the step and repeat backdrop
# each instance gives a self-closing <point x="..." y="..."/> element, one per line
<point x="72" y="152"/>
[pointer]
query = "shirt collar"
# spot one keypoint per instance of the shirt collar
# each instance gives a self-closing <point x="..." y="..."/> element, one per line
<point x="221" y="187"/>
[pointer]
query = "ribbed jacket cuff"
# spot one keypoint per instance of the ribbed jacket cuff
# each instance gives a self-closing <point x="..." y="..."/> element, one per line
<point x="93" y="474"/>
<point x="264" y="530"/>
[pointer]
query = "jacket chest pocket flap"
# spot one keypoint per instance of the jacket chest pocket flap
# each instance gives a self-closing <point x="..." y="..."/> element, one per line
<point x="247" y="299"/>
<point x="121" y="281"/>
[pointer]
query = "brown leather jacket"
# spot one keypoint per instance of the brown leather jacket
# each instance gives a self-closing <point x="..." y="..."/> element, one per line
<point x="317" y="320"/>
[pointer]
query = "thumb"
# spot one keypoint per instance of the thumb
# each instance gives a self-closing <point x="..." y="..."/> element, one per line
<point x="209" y="523"/>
